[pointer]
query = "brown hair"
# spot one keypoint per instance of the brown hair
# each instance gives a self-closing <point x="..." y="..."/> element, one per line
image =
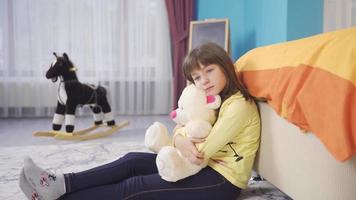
<point x="211" y="53"/>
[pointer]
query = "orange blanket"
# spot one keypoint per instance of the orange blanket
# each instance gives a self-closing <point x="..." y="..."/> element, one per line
<point x="312" y="83"/>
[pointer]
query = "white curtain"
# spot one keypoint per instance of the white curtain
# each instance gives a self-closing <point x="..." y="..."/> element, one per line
<point x="339" y="14"/>
<point x="121" y="44"/>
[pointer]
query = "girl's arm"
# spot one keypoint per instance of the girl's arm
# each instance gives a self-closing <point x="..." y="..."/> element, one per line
<point x="188" y="149"/>
<point x="233" y="119"/>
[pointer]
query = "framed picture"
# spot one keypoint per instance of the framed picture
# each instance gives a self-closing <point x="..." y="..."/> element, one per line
<point x="211" y="30"/>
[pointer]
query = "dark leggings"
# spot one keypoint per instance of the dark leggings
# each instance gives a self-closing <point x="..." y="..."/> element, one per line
<point x="134" y="176"/>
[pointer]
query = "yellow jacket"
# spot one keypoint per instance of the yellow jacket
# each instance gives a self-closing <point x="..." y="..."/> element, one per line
<point x="233" y="142"/>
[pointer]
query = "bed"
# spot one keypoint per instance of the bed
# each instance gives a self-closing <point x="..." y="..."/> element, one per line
<point x="307" y="93"/>
<point x="298" y="164"/>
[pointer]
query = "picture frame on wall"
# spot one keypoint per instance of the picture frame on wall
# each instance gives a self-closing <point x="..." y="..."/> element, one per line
<point x="210" y="30"/>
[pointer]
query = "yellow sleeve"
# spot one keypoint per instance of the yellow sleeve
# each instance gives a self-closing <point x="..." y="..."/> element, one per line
<point x="180" y="131"/>
<point x="232" y="120"/>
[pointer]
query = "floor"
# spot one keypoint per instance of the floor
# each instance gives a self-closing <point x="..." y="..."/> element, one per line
<point x="16" y="142"/>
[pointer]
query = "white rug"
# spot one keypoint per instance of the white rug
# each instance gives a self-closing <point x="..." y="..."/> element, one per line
<point x="58" y="158"/>
<point x="79" y="156"/>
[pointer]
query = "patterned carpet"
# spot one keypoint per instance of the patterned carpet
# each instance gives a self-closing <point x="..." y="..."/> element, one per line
<point x="78" y="156"/>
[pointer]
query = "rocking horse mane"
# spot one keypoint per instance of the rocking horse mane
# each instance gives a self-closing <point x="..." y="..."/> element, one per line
<point x="63" y="67"/>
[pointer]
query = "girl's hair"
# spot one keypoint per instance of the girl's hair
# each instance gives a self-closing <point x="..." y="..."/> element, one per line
<point x="211" y="53"/>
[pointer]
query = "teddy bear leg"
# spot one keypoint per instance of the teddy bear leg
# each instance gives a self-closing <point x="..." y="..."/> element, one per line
<point x="172" y="166"/>
<point x="58" y="117"/>
<point x="156" y="137"/>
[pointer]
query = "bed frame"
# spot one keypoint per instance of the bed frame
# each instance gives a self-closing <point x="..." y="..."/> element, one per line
<point x="298" y="163"/>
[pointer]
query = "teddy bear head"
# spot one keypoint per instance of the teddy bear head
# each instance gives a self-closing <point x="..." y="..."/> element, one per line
<point x="193" y="104"/>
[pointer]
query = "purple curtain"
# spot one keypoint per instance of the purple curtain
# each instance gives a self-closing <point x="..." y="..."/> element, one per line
<point x="180" y="13"/>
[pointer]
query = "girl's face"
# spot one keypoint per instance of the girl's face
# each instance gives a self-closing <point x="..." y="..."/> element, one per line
<point x="209" y="78"/>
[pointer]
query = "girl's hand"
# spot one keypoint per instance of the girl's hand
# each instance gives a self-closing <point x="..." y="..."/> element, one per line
<point x="188" y="149"/>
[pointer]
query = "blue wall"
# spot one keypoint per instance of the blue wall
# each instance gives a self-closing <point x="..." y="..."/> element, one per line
<point x="256" y="23"/>
<point x="231" y="9"/>
<point x="305" y="18"/>
<point x="270" y="20"/>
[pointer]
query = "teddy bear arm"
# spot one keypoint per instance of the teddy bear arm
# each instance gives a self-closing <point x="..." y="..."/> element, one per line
<point x="157" y="137"/>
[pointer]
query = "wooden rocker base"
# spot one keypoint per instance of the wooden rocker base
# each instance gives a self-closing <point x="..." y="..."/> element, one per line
<point x="54" y="133"/>
<point x="85" y="134"/>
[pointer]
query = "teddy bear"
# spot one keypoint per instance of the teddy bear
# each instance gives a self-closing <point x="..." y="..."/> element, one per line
<point x="196" y="113"/>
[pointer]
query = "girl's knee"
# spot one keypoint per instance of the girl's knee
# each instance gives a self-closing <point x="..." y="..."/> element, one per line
<point x="138" y="155"/>
<point x="132" y="155"/>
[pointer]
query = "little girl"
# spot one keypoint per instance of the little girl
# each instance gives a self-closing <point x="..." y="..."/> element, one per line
<point x="230" y="149"/>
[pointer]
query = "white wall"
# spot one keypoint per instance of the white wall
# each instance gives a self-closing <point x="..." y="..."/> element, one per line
<point x="339" y="14"/>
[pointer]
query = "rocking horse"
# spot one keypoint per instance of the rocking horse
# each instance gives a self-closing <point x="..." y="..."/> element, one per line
<point x="71" y="94"/>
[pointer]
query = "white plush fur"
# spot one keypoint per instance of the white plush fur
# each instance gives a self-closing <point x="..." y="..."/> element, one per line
<point x="196" y="116"/>
<point x="58" y="118"/>
<point x="69" y="119"/>
<point x="156" y="137"/>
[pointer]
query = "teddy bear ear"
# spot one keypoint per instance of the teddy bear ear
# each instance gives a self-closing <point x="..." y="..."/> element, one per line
<point x="213" y="102"/>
